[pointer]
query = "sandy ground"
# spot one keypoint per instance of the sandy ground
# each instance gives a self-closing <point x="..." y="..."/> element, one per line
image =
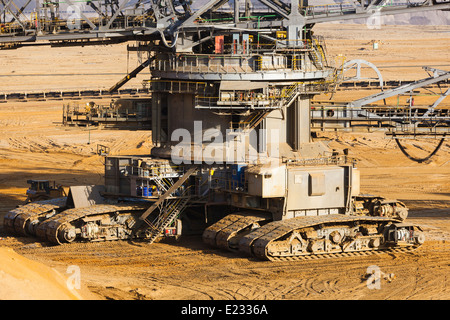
<point x="402" y="50"/>
<point x="37" y="69"/>
<point x="22" y="278"/>
<point x="33" y="145"/>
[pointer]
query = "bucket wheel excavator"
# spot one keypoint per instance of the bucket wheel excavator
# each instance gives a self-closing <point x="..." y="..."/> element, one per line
<point x="233" y="158"/>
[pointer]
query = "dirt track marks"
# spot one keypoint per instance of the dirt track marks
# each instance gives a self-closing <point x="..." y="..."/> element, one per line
<point x="192" y="270"/>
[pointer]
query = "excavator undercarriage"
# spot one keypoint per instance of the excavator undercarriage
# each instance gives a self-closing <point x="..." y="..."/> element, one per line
<point x="303" y="237"/>
<point x="368" y="224"/>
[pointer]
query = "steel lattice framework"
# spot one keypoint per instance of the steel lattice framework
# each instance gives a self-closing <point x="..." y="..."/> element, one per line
<point x="73" y="22"/>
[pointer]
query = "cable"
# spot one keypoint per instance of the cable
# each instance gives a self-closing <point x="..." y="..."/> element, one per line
<point x="419" y="160"/>
<point x="174" y="41"/>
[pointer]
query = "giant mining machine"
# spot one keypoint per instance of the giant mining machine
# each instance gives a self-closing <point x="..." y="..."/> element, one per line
<point x="233" y="157"/>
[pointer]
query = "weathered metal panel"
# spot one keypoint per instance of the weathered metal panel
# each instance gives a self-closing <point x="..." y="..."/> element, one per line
<point x="315" y="188"/>
<point x="85" y="196"/>
<point x="356" y="182"/>
<point x="267" y="182"/>
<point x="316" y="184"/>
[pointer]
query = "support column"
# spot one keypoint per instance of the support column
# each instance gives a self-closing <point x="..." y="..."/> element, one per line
<point x="304" y="119"/>
<point x="236" y="11"/>
<point x="298" y="123"/>
<point x="295" y="26"/>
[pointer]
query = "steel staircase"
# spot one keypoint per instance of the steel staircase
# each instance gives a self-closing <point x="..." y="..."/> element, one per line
<point x="170" y="206"/>
<point x="291" y="94"/>
<point x="167" y="216"/>
<point x="254" y="120"/>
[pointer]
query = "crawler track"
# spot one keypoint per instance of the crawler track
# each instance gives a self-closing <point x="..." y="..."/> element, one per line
<point x="23" y="219"/>
<point x="346" y="254"/>
<point x="220" y="233"/>
<point x="314" y="237"/>
<point x="67" y="226"/>
<point x="49" y="221"/>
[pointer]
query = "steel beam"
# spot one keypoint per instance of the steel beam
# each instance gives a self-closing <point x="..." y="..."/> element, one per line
<point x="384" y="11"/>
<point x="396" y="91"/>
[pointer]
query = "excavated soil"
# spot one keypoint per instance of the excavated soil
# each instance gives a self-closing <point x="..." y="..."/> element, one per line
<point x="33" y="145"/>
